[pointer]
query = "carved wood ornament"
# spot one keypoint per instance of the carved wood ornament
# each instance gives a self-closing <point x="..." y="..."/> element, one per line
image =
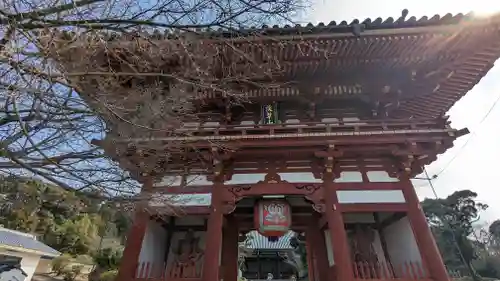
<point x="272" y="178"/>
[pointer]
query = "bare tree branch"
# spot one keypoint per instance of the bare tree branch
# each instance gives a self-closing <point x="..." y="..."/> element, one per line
<point x="65" y="80"/>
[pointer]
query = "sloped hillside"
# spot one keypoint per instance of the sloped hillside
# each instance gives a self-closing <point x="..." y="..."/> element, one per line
<point x="71" y="222"/>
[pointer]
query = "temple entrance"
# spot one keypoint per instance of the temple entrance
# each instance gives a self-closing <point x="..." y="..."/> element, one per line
<point x="281" y="259"/>
<point x="378" y="245"/>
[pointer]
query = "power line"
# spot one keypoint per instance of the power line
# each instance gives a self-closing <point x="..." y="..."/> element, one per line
<point x="435" y="176"/>
<point x="469" y="139"/>
<point x="429" y="180"/>
<point x="447" y="225"/>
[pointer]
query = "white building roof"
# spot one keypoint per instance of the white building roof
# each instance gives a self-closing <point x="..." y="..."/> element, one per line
<point x="21" y="241"/>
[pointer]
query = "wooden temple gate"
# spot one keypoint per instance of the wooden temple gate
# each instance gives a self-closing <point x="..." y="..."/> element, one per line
<point x="326" y="166"/>
<point x="366" y="96"/>
<point x="313" y="225"/>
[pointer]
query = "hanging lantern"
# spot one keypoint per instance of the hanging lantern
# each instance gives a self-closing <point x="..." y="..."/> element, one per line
<point x="272" y="217"/>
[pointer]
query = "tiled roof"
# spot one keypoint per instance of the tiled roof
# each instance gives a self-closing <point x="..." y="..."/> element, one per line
<point x="12" y="238"/>
<point x="258" y="241"/>
<point x="368" y="24"/>
<point x="432" y="62"/>
<point x="356" y="25"/>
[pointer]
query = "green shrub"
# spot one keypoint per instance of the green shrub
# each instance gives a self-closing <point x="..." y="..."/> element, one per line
<point x="77" y="269"/>
<point x="108" y="275"/>
<point x="84" y="259"/>
<point x="59" y="264"/>
<point x="107" y="259"/>
<point x="70" y="274"/>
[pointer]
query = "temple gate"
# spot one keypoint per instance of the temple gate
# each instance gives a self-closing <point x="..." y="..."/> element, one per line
<point x="358" y="111"/>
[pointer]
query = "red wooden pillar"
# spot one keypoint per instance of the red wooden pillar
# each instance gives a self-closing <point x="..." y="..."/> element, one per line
<point x="338" y="235"/>
<point x="230" y="250"/>
<point x="315" y="235"/>
<point x="316" y="252"/>
<point x="133" y="247"/>
<point x="431" y="257"/>
<point x="213" y="240"/>
<point x="310" y="259"/>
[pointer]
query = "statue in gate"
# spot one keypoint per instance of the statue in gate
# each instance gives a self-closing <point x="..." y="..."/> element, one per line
<point x="188" y="253"/>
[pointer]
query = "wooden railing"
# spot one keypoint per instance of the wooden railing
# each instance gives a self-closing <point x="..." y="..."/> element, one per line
<point x="409" y="270"/>
<point x="312" y="127"/>
<point x="159" y="271"/>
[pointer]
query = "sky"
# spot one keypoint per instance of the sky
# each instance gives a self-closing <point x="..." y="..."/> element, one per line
<point x="473" y="162"/>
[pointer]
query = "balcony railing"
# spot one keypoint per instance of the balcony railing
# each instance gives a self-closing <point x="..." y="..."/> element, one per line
<point x="160" y="271"/>
<point x="311" y="127"/>
<point x="409" y="270"/>
<point x="323" y="128"/>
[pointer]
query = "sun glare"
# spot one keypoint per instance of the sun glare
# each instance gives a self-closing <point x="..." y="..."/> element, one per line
<point x="484" y="8"/>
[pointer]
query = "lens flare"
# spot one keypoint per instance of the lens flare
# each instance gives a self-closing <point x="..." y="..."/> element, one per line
<point x="485" y="8"/>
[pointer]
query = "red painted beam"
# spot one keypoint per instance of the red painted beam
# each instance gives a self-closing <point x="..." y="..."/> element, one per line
<point x="345" y="208"/>
<point x="315" y="141"/>
<point x="276" y="188"/>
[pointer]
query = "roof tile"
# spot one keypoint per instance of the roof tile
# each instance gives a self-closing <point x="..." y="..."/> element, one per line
<point x="257" y="241"/>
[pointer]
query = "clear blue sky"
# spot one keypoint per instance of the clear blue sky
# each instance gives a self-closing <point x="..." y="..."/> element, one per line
<point x="475" y="165"/>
